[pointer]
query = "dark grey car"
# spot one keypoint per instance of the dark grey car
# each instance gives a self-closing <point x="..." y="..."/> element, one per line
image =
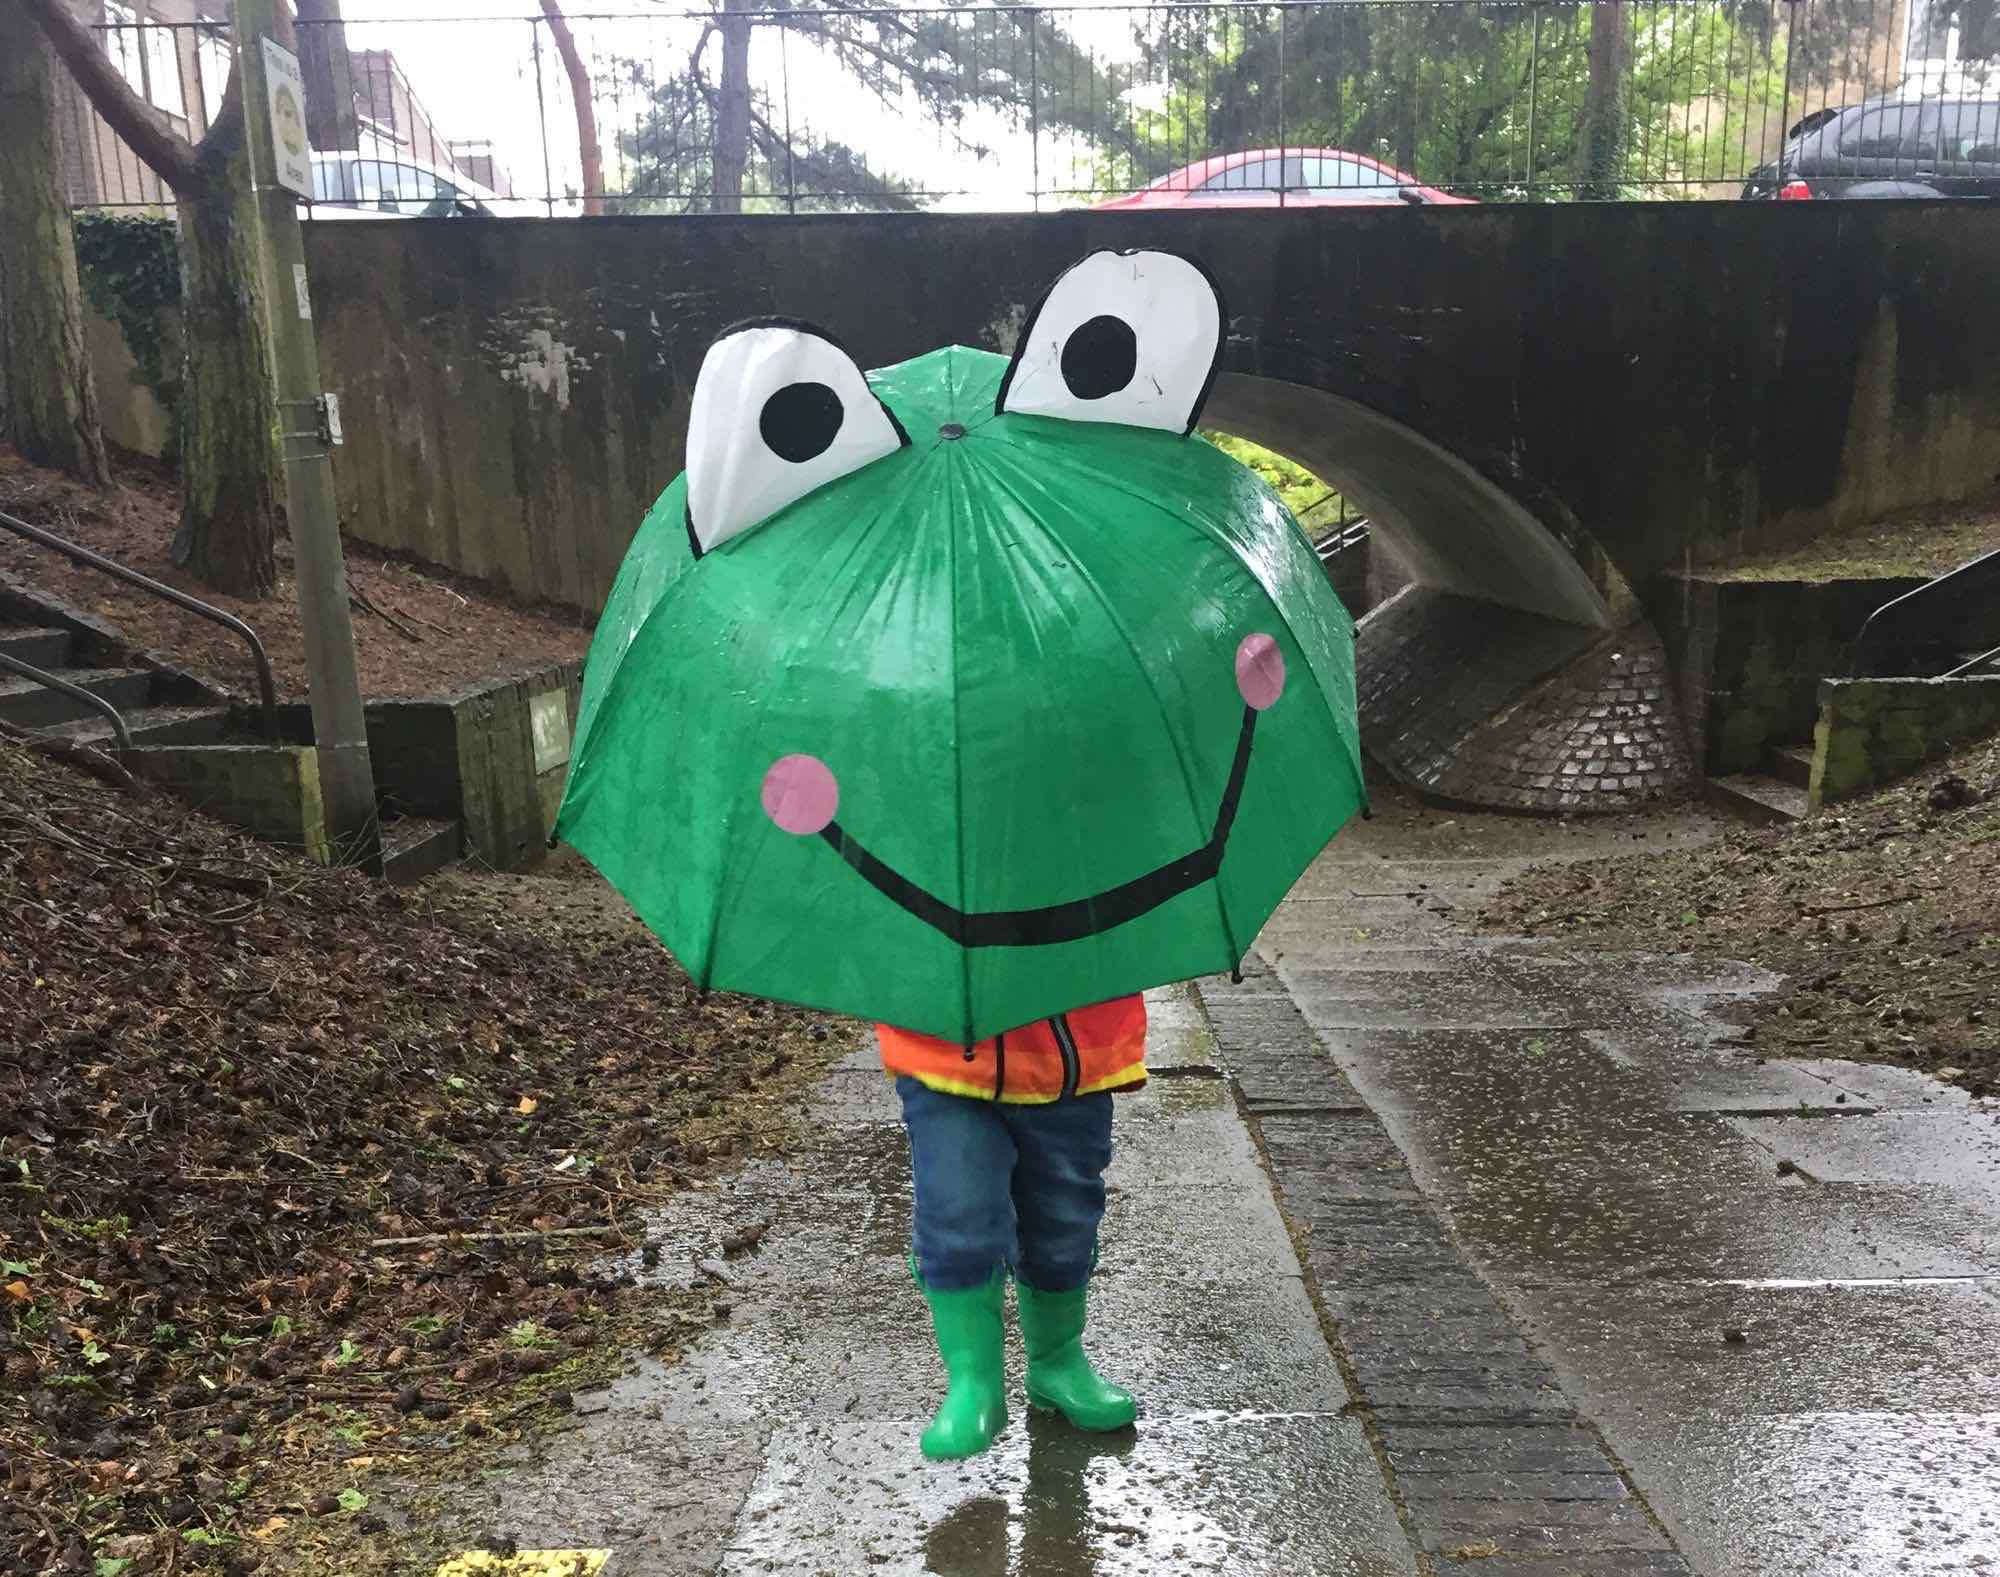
<point x="1899" y="148"/>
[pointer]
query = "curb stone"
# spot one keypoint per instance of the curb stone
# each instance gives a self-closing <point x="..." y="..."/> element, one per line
<point x="1492" y="1468"/>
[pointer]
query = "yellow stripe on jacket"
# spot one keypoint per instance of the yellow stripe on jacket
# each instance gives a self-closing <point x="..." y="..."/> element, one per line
<point x="1078" y="1053"/>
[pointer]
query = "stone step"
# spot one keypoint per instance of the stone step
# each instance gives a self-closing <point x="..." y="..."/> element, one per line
<point x="28" y="704"/>
<point x="413" y="847"/>
<point x="151" y="725"/>
<point x="1760" y="798"/>
<point x="1791" y="764"/>
<point x="41" y="647"/>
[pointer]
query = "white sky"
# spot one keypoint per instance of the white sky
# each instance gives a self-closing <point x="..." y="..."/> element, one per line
<point x="472" y="67"/>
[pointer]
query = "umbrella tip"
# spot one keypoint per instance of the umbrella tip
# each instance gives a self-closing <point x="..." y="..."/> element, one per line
<point x="952" y="430"/>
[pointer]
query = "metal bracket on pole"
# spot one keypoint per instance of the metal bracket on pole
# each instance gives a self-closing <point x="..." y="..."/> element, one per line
<point x="325" y="432"/>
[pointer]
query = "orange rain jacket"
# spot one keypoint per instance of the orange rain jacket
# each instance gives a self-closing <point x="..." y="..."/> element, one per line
<point x="1080" y="1053"/>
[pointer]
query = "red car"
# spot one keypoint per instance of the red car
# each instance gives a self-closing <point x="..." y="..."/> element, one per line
<point x="1309" y="178"/>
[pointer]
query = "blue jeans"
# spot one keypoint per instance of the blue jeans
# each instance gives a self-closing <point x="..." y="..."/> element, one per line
<point x="1005" y="1184"/>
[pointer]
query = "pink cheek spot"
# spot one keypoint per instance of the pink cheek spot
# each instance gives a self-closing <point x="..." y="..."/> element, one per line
<point x="801" y="794"/>
<point x="1260" y="671"/>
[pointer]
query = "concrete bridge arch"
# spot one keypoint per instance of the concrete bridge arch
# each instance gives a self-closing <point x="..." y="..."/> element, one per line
<point x="1547" y="406"/>
<point x="1515" y="670"/>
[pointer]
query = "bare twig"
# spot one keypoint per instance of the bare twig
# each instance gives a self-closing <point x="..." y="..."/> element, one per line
<point x="434" y="1238"/>
<point x="1854" y="908"/>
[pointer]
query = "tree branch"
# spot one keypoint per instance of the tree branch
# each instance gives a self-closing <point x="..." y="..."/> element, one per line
<point x="123" y="110"/>
<point x="586" y="117"/>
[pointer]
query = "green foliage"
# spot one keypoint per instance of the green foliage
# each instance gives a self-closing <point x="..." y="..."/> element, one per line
<point x="130" y="265"/>
<point x="946" y="64"/>
<point x="1315" y="505"/>
<point x="1492" y="100"/>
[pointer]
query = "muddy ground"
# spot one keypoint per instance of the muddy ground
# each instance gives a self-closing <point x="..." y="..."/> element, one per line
<point x="1883" y="916"/>
<point x="303" y="1177"/>
<point x="418" y="630"/>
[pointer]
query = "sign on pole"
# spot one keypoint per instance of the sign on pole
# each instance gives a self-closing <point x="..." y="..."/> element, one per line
<point x="286" y="89"/>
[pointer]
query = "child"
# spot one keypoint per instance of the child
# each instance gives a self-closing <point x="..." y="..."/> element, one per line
<point x="1009" y="1140"/>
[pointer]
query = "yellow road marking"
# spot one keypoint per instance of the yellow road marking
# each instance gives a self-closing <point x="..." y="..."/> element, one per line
<point x="527" y="1563"/>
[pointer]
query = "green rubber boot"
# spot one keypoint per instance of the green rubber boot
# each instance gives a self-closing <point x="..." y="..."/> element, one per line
<point x="1059" y="1376"/>
<point x="971" y="1337"/>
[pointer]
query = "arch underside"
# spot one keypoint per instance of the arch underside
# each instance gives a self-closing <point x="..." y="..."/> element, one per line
<point x="1504" y="675"/>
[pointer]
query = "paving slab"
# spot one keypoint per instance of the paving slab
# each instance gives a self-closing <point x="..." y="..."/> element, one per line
<point x="785" y="1439"/>
<point x="1792" y="1365"/>
<point x="1193" y="1494"/>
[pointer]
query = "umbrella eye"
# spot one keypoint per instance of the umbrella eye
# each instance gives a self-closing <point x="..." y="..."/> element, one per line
<point x="780" y="410"/>
<point x="1132" y="338"/>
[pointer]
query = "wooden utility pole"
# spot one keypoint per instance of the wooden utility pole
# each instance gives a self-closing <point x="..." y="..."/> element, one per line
<point x="346" y="775"/>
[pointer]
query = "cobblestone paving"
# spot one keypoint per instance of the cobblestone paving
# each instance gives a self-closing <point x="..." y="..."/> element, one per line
<point x="1483" y="705"/>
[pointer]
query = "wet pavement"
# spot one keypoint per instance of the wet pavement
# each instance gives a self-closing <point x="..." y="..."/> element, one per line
<point x="1426" y="1252"/>
<point x="1772" y="1288"/>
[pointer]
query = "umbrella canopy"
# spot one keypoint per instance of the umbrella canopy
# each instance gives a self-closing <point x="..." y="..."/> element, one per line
<point x="970" y="691"/>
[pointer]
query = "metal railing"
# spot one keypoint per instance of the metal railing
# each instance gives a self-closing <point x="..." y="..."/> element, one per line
<point x="1972" y="591"/>
<point x="75" y="692"/>
<point x="267" y="690"/>
<point x="859" y="107"/>
<point x="1350" y="534"/>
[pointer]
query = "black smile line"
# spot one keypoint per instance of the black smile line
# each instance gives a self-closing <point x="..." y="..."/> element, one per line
<point x="1060" y="922"/>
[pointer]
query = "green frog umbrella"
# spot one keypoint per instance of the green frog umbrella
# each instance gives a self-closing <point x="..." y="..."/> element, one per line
<point x="969" y="691"/>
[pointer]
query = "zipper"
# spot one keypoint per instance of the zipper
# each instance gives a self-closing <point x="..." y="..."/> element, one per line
<point x="999" y="1065"/>
<point x="1066" y="1044"/>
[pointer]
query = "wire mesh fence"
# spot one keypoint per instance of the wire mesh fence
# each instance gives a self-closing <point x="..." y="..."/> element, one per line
<point x="863" y="108"/>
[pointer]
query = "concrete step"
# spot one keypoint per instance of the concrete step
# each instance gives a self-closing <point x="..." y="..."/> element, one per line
<point x="46" y="649"/>
<point x="1791" y="764"/>
<point x="152" y="725"/>
<point x="27" y="704"/>
<point x="1760" y="798"/>
<point x="413" y="847"/>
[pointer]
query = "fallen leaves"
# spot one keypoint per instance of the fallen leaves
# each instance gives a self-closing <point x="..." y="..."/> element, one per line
<point x="208" y="1126"/>
<point x="1878" y="915"/>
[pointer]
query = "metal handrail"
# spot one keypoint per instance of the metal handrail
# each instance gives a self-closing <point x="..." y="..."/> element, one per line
<point x="267" y="688"/>
<point x="1971" y="663"/>
<point x="1984" y="562"/>
<point x="1351" y="535"/>
<point x="96" y="703"/>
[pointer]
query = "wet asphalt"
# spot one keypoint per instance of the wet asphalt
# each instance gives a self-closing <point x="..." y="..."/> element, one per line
<point x="1660" y="1351"/>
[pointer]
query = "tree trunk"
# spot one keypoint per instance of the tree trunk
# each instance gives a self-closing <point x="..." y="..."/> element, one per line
<point x="228" y="421"/>
<point x="1601" y="144"/>
<point x="586" y="117"/>
<point x="329" y="78"/>
<point x="732" y="114"/>
<point x="230" y="467"/>
<point x="47" y="395"/>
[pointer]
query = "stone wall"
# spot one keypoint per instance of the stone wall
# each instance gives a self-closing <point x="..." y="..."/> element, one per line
<point x="1874" y="731"/>
<point x="515" y="391"/>
<point x="1748" y="656"/>
<point x="493" y="757"/>
<point x="271" y="790"/>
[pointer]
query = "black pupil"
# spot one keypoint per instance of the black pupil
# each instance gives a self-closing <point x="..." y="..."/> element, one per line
<point x="1100" y="358"/>
<point x="800" y="421"/>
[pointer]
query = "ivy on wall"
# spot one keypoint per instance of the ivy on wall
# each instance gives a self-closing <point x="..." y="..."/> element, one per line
<point x="130" y="265"/>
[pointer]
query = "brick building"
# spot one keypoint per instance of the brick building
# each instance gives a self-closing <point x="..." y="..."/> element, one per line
<point x="175" y="55"/>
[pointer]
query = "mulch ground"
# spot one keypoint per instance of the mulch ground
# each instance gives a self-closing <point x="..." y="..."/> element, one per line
<point x="1882" y="915"/>
<point x="1914" y="542"/>
<point x="226" y="1079"/>
<point x="417" y="630"/>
